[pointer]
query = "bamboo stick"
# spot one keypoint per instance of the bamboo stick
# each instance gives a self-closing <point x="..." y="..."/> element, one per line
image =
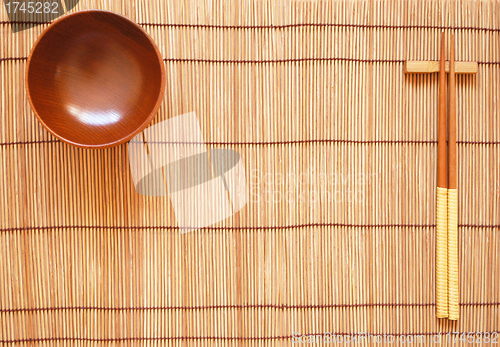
<point x="453" y="274"/>
<point x="442" y="197"/>
<point x="461" y="67"/>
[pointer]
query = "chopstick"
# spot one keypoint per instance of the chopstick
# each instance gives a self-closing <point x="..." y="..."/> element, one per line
<point x="446" y="243"/>
<point x="442" y="197"/>
<point x="453" y="290"/>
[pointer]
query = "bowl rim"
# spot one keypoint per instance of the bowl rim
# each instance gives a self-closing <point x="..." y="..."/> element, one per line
<point x="125" y="138"/>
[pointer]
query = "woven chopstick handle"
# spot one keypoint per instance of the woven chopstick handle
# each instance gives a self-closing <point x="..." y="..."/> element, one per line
<point x="453" y="254"/>
<point x="442" y="253"/>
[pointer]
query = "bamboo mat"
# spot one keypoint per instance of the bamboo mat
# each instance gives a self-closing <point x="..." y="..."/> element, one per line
<point x="339" y="148"/>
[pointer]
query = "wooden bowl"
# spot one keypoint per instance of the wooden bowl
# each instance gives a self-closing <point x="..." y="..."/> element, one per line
<point x="95" y="79"/>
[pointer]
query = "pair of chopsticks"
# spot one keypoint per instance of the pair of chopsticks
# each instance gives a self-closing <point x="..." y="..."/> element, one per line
<point x="447" y="199"/>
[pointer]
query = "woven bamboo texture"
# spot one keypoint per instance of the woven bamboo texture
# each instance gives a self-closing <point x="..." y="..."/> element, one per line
<point x="339" y="148"/>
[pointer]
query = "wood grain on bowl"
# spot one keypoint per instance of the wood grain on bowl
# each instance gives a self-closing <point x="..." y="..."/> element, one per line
<point x="95" y="79"/>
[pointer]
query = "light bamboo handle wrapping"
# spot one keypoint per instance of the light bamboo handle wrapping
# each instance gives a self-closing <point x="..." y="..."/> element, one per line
<point x="442" y="253"/>
<point x="453" y="307"/>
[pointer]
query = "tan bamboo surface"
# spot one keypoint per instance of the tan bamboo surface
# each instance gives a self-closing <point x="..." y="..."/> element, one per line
<point x="307" y="88"/>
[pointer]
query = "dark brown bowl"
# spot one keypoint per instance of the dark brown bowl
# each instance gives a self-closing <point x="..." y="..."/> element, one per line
<point x="95" y="79"/>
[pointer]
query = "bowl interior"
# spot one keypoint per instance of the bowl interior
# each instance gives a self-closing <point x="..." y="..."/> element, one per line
<point x="95" y="79"/>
